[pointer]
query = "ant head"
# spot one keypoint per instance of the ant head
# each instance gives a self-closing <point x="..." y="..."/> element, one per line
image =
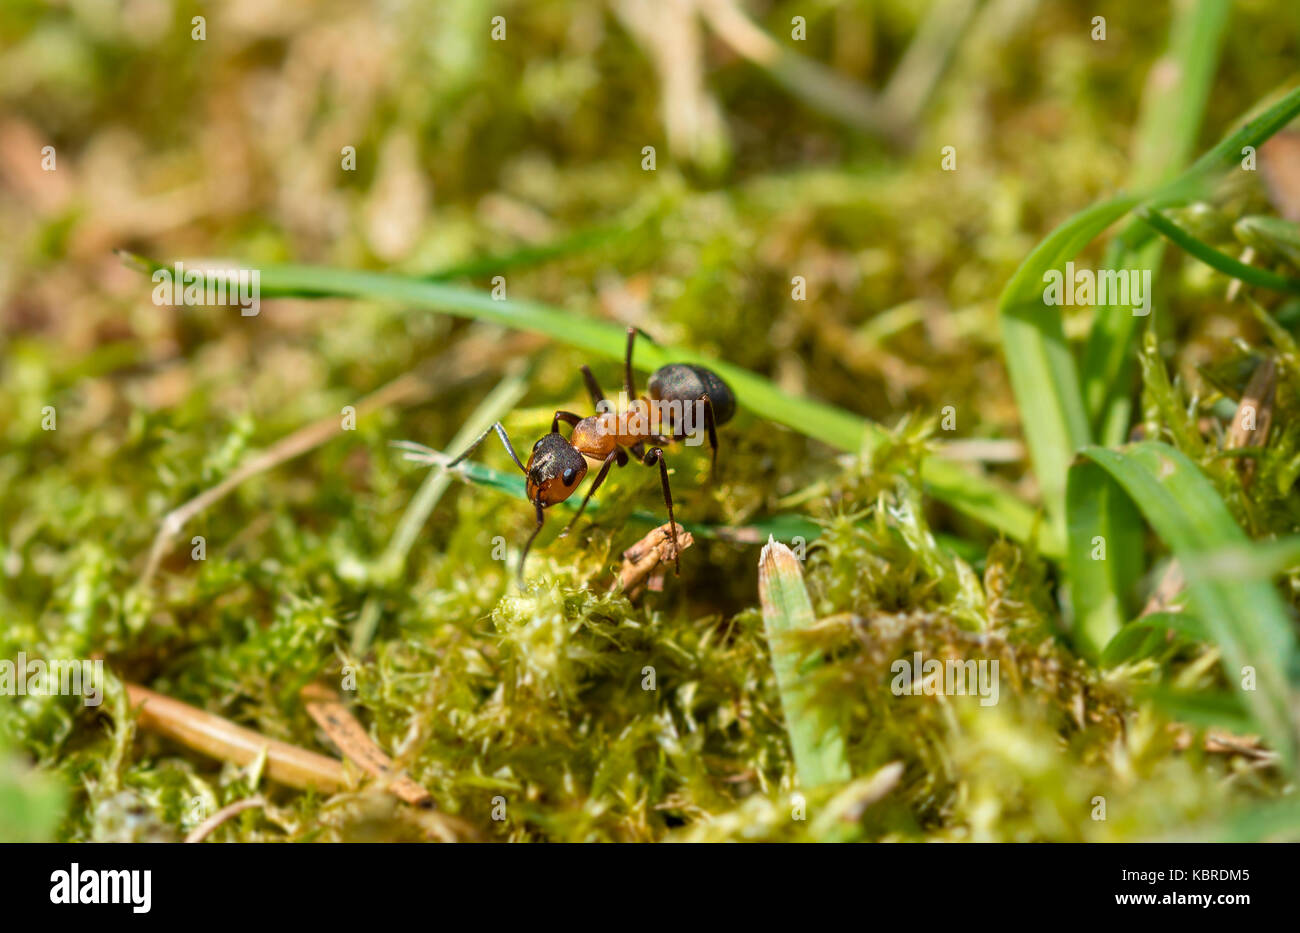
<point x="554" y="470"/>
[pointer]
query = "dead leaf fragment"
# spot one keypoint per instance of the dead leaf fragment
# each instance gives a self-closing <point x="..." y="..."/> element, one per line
<point x="642" y="562"/>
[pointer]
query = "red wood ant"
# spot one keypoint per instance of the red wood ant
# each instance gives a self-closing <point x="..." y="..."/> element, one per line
<point x="556" y="465"/>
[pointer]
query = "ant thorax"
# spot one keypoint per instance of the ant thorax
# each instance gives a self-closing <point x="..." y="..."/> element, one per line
<point x="645" y="418"/>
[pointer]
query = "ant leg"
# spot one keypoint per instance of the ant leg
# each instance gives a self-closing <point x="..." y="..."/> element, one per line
<point x="713" y="435"/>
<point x="567" y="417"/>
<point x="595" y="484"/>
<point x="541" y="518"/>
<point x="593" y="389"/>
<point x="638" y="451"/>
<point x="620" y="455"/>
<point x="654" y="456"/>
<point x="505" y="440"/>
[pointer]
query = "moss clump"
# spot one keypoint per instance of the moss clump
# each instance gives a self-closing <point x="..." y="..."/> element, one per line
<point x="564" y="712"/>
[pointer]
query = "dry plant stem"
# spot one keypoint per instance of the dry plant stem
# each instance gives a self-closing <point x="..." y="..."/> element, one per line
<point x="1254" y="418"/>
<point x="325" y="707"/>
<point x="206" y="828"/>
<point x="926" y="58"/>
<point x="646" y="556"/>
<point x="1167" y="590"/>
<point x="405" y="389"/>
<point x="1219" y="742"/>
<point x="1234" y="287"/>
<point x="222" y="739"/>
<point x="984" y="450"/>
<point x="814" y="83"/>
<point x="670" y="32"/>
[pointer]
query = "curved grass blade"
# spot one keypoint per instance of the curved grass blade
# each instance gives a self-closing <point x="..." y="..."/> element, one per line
<point x="1172" y="108"/>
<point x="1147" y="634"/>
<point x="1104" y="559"/>
<point x="1251" y="275"/>
<point x="1247" y="619"/>
<point x="1042" y="370"/>
<point x="967" y="492"/>
<point x="1227" y="153"/>
<point x="1039" y="361"/>
<point x="1258" y="560"/>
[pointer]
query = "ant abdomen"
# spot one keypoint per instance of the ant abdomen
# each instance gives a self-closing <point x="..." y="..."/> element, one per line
<point x="685" y="383"/>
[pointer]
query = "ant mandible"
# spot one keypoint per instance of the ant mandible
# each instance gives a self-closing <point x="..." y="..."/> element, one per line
<point x="556" y="465"/>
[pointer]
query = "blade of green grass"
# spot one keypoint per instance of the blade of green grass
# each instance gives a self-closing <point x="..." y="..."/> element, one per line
<point x="1252" y="275"/>
<point x="1104" y="559"/>
<point x="1227" y="153"/>
<point x="1273" y="236"/>
<point x="1108" y="359"/>
<point x="1051" y="398"/>
<point x="1178" y="86"/>
<point x="1258" y="560"/>
<point x="1247" y="620"/>
<point x="1108" y="364"/>
<point x="1039" y="361"/>
<point x="785" y="527"/>
<point x="818" y="745"/>
<point x="965" y="491"/>
<point x="1172" y="109"/>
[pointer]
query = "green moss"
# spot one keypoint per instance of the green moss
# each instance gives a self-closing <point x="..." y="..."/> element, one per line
<point x="563" y="712"/>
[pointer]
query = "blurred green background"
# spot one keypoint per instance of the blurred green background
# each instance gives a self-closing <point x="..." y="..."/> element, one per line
<point x="528" y="151"/>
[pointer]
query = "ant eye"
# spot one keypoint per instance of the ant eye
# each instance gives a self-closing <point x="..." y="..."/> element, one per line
<point x="538" y="444"/>
<point x="569" y="476"/>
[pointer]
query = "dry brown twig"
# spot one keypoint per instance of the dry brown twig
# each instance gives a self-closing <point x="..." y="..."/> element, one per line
<point x="645" y="562"/>
<point x="222" y="739"/>
<point x="403" y="389"/>
<point x="1254" y="418"/>
<point x="820" y="87"/>
<point x="1219" y="742"/>
<point x="466" y="361"/>
<point x="343" y="729"/>
<point x="206" y="828"/>
<point x="669" y="32"/>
